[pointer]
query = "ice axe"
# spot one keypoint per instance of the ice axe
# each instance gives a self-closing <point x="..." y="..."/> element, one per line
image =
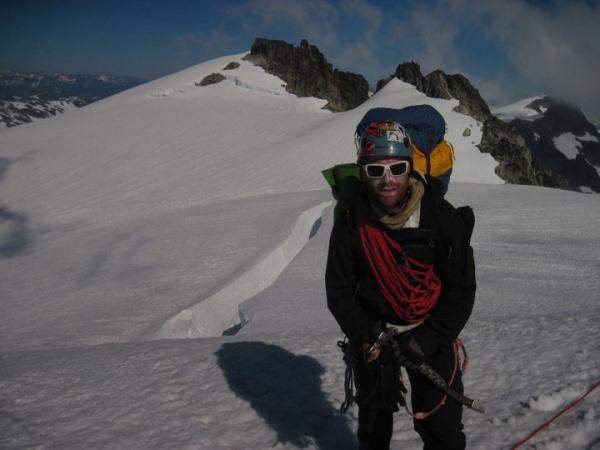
<point x="387" y="338"/>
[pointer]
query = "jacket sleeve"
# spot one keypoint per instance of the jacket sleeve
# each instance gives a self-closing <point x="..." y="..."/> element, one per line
<point x="456" y="268"/>
<point x="341" y="281"/>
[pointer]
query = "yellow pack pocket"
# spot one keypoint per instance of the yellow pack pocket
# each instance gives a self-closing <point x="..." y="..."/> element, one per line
<point x="441" y="159"/>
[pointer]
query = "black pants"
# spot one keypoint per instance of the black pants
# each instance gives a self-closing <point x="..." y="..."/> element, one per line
<point x="378" y="389"/>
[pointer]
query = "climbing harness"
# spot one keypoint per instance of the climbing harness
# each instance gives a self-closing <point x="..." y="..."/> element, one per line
<point x="387" y="338"/>
<point x="350" y="397"/>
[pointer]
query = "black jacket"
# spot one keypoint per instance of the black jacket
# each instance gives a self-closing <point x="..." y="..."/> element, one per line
<point x="443" y="238"/>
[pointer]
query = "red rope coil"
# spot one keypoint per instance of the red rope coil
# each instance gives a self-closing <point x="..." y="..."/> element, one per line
<point x="410" y="287"/>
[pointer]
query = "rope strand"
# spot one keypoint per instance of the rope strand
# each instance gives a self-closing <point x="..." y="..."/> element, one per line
<point x="457" y="346"/>
<point x="410" y="287"/>
<point x="556" y="416"/>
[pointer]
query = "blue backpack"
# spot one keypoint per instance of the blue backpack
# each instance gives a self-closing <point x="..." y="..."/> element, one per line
<point x="432" y="155"/>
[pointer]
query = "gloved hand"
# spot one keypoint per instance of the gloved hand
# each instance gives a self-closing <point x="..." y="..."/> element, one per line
<point x="412" y="350"/>
<point x="420" y="343"/>
<point x="368" y="355"/>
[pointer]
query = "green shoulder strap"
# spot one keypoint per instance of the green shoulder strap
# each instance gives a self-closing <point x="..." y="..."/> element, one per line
<point x="345" y="185"/>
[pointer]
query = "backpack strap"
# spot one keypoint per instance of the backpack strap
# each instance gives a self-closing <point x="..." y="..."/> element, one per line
<point x="345" y="185"/>
<point x="468" y="217"/>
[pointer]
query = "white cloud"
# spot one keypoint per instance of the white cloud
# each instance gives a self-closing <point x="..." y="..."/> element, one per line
<point x="359" y="54"/>
<point x="553" y="48"/>
<point x="315" y="20"/>
<point x="557" y="49"/>
<point x="361" y="57"/>
<point x="499" y="90"/>
<point x="370" y="15"/>
<point x="430" y="32"/>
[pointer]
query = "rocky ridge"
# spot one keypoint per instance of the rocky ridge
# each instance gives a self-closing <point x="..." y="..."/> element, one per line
<point x="438" y="84"/>
<point x="517" y="163"/>
<point x="57" y="86"/>
<point x="307" y="73"/>
<point x="564" y="143"/>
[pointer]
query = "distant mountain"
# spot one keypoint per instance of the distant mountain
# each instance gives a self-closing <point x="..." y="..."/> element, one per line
<point x="438" y="84"/>
<point x="499" y="139"/>
<point x="539" y="141"/>
<point x="563" y="156"/>
<point x="561" y="139"/>
<point x="25" y="97"/>
<point x="18" y="111"/>
<point x="57" y="86"/>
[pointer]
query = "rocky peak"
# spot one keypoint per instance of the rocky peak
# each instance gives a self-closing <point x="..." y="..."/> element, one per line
<point x="563" y="142"/>
<point x="562" y="116"/>
<point x="308" y="74"/>
<point x="410" y="72"/>
<point x="438" y="84"/>
<point x="516" y="164"/>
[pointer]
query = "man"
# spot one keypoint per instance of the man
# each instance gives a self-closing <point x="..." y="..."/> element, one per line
<point x="400" y="257"/>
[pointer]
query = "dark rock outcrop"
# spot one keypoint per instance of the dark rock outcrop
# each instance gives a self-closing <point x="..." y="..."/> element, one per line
<point x="308" y="74"/>
<point x="232" y="65"/>
<point x="559" y="120"/>
<point x="17" y="110"/>
<point x="517" y="163"/>
<point x="213" y="78"/>
<point x="438" y="84"/>
<point x="410" y="72"/>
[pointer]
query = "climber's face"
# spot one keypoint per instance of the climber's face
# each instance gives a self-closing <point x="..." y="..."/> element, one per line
<point x="387" y="183"/>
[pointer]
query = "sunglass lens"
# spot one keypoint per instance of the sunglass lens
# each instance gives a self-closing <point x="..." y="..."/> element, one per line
<point x="398" y="168"/>
<point x="375" y="171"/>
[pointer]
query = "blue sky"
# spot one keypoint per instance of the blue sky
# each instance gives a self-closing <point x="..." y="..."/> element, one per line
<point x="509" y="49"/>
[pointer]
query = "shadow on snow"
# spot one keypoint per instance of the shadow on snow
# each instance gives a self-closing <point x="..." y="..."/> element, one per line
<point x="14" y="234"/>
<point x="285" y="390"/>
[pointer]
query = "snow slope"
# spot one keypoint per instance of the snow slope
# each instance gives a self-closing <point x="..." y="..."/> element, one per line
<point x="570" y="145"/>
<point x="118" y="189"/>
<point x="170" y="144"/>
<point x="158" y="212"/>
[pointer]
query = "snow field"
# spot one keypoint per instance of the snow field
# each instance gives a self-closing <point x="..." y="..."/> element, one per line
<point x="212" y="316"/>
<point x="136" y="155"/>
<point x="570" y="145"/>
<point x="121" y="282"/>
<point x="154" y="201"/>
<point x="533" y="335"/>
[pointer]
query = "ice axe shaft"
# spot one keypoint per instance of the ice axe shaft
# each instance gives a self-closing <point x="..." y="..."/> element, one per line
<point x="387" y="338"/>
